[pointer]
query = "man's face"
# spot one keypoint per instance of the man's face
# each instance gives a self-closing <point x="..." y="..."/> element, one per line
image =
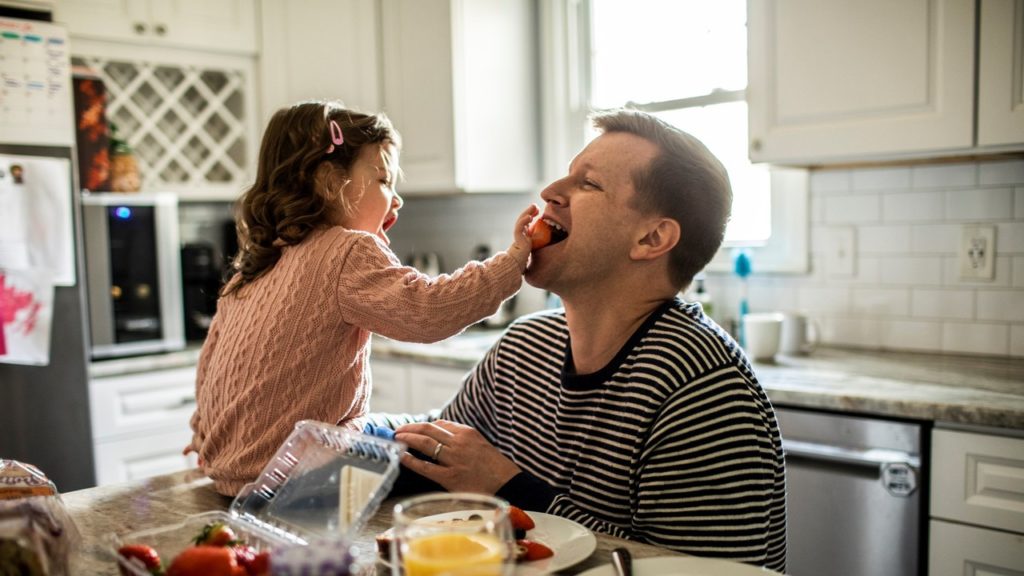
<point x="593" y="203"/>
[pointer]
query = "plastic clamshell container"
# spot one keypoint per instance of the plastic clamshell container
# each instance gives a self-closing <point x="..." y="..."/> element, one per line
<point x="323" y="484"/>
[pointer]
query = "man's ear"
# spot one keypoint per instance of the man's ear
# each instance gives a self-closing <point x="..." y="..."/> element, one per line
<point x="660" y="236"/>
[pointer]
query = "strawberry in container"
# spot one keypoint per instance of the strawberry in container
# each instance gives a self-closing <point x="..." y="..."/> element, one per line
<point x="317" y="492"/>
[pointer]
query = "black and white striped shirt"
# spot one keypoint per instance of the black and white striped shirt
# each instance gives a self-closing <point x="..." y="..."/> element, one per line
<point x="673" y="443"/>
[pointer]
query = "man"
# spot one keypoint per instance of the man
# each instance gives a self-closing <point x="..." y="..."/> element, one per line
<point x="630" y="412"/>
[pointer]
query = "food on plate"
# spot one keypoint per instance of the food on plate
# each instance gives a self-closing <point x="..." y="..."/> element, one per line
<point x="530" y="550"/>
<point x="520" y="519"/>
<point x="216" y="534"/>
<point x="545" y="231"/>
<point x="140" y="554"/>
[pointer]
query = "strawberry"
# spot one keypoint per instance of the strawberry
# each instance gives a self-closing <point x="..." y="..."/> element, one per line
<point x="255" y="563"/>
<point x="540" y="234"/>
<point x="216" y="534"/>
<point x="520" y="520"/>
<point x="206" y="561"/>
<point x="140" y="553"/>
<point x="530" y="550"/>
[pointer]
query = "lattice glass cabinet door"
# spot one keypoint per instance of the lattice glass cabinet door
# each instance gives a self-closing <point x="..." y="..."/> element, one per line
<point x="188" y="123"/>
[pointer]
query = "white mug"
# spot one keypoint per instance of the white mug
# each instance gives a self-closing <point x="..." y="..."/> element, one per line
<point x="762" y="333"/>
<point x="799" y="334"/>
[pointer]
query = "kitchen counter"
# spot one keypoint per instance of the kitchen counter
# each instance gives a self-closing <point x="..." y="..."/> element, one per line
<point x="968" y="390"/>
<point x="169" y="498"/>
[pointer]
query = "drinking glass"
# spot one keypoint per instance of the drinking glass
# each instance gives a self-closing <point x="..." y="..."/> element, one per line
<point x="457" y="533"/>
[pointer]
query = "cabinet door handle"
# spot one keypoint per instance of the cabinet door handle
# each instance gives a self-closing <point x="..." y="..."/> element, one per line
<point x="140" y="28"/>
<point x="160" y="29"/>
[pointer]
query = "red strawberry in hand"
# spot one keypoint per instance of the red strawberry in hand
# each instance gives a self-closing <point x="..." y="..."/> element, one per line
<point x="540" y="234"/>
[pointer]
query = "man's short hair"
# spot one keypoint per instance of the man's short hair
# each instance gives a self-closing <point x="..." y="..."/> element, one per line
<point x="685" y="182"/>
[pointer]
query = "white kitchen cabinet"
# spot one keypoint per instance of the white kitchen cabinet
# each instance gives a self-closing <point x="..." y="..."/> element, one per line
<point x="140" y="423"/>
<point x="412" y="387"/>
<point x="212" y="25"/>
<point x="459" y="83"/>
<point x="1001" y="72"/>
<point x="977" y="504"/>
<point x="142" y="456"/>
<point x="833" y="81"/>
<point x="327" y="50"/>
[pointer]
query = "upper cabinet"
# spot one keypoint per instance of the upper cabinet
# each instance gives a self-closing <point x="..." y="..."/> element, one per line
<point x="835" y="81"/>
<point x="1001" y="73"/>
<point x="328" y="50"/>
<point x="218" y="25"/>
<point x="459" y="82"/>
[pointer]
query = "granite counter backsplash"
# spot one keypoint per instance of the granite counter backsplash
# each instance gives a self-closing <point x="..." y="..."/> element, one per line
<point x="972" y="390"/>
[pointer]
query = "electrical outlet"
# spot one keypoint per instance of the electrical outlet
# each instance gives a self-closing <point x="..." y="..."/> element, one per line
<point x="841" y="252"/>
<point x="978" y="252"/>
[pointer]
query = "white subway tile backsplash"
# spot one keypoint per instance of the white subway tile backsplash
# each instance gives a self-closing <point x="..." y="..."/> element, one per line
<point x="881" y="179"/>
<point x="852" y="209"/>
<point x="964" y="338"/>
<point x="912" y="335"/>
<point x="824" y="299"/>
<point x="868" y="271"/>
<point x="1017" y="263"/>
<point x="1018" y="203"/>
<point x="826" y="181"/>
<point x="1001" y="305"/>
<point x="942" y="304"/>
<point x="845" y="331"/>
<point x="913" y="207"/>
<point x="995" y="173"/>
<point x="1017" y="340"/>
<point x="935" y="238"/>
<point x="982" y="204"/>
<point x="883" y="239"/>
<point x="883" y="302"/>
<point x="817" y="209"/>
<point x="1010" y="237"/>
<point x="915" y="270"/>
<point x="944" y="175"/>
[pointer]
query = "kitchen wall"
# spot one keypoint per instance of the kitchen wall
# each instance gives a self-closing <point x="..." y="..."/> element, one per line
<point x="904" y="292"/>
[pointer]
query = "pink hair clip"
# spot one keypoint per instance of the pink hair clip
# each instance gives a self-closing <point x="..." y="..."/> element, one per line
<point x="336" y="136"/>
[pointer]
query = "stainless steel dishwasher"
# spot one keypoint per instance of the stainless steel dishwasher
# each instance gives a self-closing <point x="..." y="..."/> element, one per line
<point x="853" y="494"/>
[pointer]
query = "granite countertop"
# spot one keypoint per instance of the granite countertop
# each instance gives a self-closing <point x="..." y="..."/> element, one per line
<point x="968" y="390"/>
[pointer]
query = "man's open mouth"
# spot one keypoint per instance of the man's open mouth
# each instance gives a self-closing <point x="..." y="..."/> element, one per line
<point x="557" y="232"/>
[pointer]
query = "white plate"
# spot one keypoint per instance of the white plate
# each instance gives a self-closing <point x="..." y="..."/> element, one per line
<point x="684" y="566"/>
<point x="571" y="543"/>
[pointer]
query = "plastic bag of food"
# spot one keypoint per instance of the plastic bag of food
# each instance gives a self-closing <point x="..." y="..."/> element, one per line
<point x="36" y="533"/>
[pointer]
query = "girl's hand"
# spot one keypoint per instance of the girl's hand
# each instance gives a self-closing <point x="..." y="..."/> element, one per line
<point x="521" y="236"/>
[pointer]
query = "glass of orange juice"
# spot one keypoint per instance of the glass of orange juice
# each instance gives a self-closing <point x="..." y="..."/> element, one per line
<point x="452" y="533"/>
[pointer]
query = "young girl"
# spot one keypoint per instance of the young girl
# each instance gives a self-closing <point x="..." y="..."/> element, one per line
<point x="314" y="277"/>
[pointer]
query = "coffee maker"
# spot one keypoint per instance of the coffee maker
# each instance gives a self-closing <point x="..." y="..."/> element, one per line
<point x="201" y="281"/>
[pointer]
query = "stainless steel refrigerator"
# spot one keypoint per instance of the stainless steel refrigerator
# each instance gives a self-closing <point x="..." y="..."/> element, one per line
<point x="44" y="406"/>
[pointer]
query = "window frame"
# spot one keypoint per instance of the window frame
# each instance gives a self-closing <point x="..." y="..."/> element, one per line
<point x="565" y="88"/>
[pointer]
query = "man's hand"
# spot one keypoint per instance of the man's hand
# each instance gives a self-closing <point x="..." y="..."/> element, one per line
<point x="463" y="460"/>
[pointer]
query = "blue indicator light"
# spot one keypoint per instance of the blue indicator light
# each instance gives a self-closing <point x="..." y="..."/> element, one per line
<point x="123" y="212"/>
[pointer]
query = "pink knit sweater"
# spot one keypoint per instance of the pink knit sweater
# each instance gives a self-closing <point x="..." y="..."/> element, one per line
<point x="295" y="343"/>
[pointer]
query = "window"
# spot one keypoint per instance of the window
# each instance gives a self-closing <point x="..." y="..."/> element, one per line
<point x="685" y="62"/>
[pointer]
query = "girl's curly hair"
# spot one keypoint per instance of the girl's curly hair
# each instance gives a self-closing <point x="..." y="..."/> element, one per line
<point x="299" y="180"/>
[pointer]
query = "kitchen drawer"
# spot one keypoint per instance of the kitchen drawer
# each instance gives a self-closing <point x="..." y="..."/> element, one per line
<point x="142" y="456"/>
<point x="958" y="550"/>
<point x="142" y="402"/>
<point x="978" y="479"/>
